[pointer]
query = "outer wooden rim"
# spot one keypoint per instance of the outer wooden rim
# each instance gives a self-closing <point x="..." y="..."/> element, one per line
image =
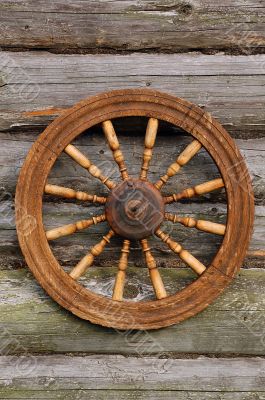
<point x="128" y="315"/>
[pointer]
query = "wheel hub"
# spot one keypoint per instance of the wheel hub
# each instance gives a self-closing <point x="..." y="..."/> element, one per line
<point x="135" y="209"/>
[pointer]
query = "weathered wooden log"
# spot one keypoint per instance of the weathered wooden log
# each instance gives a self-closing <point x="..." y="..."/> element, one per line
<point x="132" y="25"/>
<point x="66" y="173"/>
<point x="228" y="87"/>
<point x="125" y="394"/>
<point x="33" y="323"/>
<point x="70" y="249"/>
<point x="131" y="373"/>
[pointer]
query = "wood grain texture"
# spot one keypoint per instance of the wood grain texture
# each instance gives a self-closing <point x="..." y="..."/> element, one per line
<point x="132" y="25"/>
<point x="34" y="88"/>
<point x="230" y="88"/>
<point x="122" y="394"/>
<point x="201" y="168"/>
<point x="69" y="250"/>
<point x="106" y="373"/>
<point x="234" y="324"/>
<point x="14" y="148"/>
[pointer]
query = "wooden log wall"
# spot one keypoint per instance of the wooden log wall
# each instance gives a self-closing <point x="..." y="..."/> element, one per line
<point x="54" y="53"/>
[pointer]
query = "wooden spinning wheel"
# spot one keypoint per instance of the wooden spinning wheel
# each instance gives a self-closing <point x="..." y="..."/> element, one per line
<point x="134" y="209"/>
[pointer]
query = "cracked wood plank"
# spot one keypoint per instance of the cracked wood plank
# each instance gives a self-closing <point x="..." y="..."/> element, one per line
<point x="32" y="323"/>
<point x="14" y="148"/>
<point x="118" y="372"/>
<point x="231" y="88"/>
<point x="171" y="25"/>
<point x="70" y="249"/>
<point x="121" y="394"/>
<point x="57" y="212"/>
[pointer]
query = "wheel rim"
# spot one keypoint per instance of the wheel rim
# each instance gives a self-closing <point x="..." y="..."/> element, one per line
<point x="205" y="131"/>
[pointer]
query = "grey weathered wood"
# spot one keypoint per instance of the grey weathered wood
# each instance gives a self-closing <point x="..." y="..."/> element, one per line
<point x="66" y="172"/>
<point x="32" y="323"/>
<point x="229" y="87"/>
<point x="120" y="394"/>
<point x="118" y="372"/>
<point x="132" y="25"/>
<point x="71" y="249"/>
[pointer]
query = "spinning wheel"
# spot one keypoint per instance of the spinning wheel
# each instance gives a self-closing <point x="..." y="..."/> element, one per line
<point x="134" y="209"/>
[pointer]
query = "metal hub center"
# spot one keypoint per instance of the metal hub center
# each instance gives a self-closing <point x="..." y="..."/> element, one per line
<point x="135" y="209"/>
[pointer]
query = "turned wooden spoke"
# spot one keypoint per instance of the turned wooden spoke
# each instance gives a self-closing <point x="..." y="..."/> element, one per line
<point x="115" y="147"/>
<point x="69" y="229"/>
<point x="182" y="159"/>
<point x="155" y="276"/>
<point x="72" y="194"/>
<point x="149" y="143"/>
<point x="87" y="261"/>
<point x="196" y="190"/>
<point x="121" y="274"/>
<point x="188" y="258"/>
<point x="84" y="162"/>
<point x="206" y="226"/>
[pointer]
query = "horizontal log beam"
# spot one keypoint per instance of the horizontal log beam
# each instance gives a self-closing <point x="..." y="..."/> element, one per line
<point x="201" y="168"/>
<point x="70" y="249"/>
<point x="132" y="25"/>
<point x="123" y="394"/>
<point x="95" y="372"/>
<point x="228" y="87"/>
<point x="33" y="323"/>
